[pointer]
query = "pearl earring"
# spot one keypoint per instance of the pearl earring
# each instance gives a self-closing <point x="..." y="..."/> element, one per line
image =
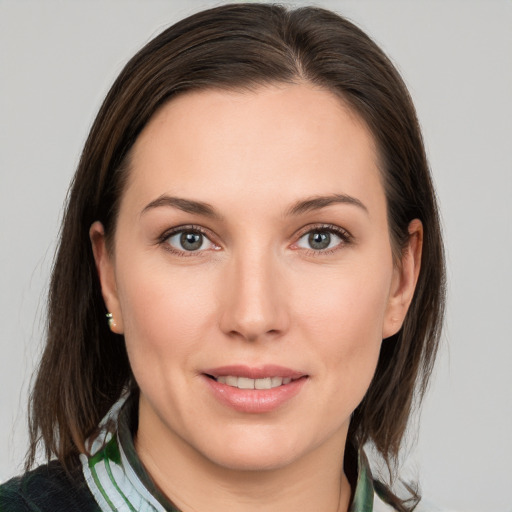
<point x="111" y="321"/>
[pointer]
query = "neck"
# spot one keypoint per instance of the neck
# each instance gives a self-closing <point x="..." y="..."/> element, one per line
<point x="193" y="483"/>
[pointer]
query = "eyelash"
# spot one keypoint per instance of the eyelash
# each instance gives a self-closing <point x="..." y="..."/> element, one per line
<point x="345" y="237"/>
<point x="191" y="228"/>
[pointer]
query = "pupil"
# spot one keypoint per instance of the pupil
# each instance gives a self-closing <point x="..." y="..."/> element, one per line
<point x="319" y="240"/>
<point x="191" y="241"/>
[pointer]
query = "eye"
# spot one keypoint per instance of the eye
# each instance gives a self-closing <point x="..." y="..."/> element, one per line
<point x="322" y="238"/>
<point x="189" y="240"/>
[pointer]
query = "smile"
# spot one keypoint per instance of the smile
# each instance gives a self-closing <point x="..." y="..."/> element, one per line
<point x="248" y="383"/>
<point x="254" y="390"/>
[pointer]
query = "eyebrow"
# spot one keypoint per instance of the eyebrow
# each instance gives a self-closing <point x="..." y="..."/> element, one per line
<point x="186" y="205"/>
<point x="298" y="208"/>
<point x="319" y="202"/>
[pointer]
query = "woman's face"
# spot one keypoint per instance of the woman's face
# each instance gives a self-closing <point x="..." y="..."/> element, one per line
<point x="252" y="251"/>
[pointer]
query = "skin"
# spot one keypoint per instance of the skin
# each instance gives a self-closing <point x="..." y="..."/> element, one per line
<point x="256" y="292"/>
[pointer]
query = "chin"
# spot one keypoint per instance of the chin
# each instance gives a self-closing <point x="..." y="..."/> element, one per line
<point x="251" y="452"/>
<point x="253" y="462"/>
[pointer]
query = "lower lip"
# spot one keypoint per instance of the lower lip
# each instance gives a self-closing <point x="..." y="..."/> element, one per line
<point x="255" y="401"/>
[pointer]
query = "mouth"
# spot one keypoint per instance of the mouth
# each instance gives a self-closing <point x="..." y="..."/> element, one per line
<point x="248" y="383"/>
<point x="254" y="389"/>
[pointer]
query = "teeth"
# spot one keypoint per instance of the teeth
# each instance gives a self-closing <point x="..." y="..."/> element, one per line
<point x="263" y="383"/>
<point x="276" y="381"/>
<point x="232" y="381"/>
<point x="246" y="383"/>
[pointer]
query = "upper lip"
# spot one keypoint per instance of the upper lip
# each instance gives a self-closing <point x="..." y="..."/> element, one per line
<point x="256" y="372"/>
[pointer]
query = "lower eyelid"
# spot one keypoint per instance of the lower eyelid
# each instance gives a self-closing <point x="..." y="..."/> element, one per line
<point x="164" y="240"/>
<point x="344" y="236"/>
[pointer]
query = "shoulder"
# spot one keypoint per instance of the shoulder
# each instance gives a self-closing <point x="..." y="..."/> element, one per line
<point x="47" y="489"/>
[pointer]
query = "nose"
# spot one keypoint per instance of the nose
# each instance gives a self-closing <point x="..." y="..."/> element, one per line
<point x="254" y="298"/>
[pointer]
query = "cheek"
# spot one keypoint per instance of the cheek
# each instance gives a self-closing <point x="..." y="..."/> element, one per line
<point x="349" y="304"/>
<point x="346" y="322"/>
<point x="165" y="314"/>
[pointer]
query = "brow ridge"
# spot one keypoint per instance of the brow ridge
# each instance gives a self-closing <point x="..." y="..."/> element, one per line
<point x="298" y="208"/>
<point x="186" y="205"/>
<point x="319" y="202"/>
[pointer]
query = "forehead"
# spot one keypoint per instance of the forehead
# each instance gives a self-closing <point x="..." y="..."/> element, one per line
<point x="288" y="138"/>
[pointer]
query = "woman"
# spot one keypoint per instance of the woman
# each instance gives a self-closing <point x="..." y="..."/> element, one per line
<point x="249" y="283"/>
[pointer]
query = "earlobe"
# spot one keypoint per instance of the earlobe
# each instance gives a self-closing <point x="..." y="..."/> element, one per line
<point x="404" y="281"/>
<point x="106" y="275"/>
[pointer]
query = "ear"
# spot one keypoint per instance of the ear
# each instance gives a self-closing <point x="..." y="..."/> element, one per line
<point x="404" y="281"/>
<point x="105" y="268"/>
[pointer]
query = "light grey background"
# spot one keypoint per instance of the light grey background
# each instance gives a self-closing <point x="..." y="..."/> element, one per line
<point x="58" y="59"/>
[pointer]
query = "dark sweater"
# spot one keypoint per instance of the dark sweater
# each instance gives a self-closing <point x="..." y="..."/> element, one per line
<point x="47" y="489"/>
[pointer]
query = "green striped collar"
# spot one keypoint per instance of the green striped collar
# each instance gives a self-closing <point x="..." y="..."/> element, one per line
<point x="119" y="483"/>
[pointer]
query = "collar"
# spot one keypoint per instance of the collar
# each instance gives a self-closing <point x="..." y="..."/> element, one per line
<point x="364" y="492"/>
<point x="119" y="482"/>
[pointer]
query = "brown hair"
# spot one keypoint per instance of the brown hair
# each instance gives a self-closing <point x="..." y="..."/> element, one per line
<point x="84" y="366"/>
